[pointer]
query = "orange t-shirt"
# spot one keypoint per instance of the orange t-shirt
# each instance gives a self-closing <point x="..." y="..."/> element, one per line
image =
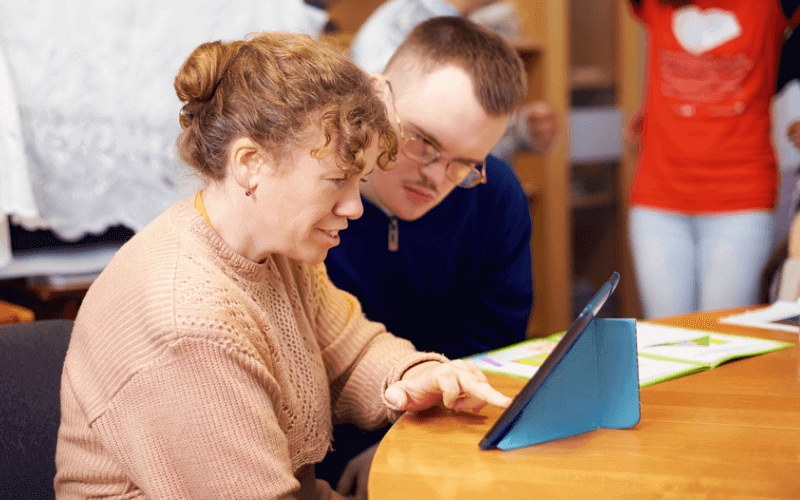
<point x="705" y="143"/>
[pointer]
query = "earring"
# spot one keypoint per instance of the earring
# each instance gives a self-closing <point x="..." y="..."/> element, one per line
<point x="247" y="193"/>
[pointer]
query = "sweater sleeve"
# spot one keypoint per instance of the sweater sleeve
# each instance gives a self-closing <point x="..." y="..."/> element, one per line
<point x="226" y="440"/>
<point x="361" y="357"/>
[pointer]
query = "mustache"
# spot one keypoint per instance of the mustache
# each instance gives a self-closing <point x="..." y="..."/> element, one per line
<point x="424" y="184"/>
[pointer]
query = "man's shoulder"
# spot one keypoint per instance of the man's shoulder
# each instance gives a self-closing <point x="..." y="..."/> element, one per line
<point x="502" y="193"/>
<point x="502" y="184"/>
<point x="491" y="206"/>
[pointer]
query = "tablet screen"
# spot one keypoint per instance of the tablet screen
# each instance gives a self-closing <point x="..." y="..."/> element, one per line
<point x="510" y="415"/>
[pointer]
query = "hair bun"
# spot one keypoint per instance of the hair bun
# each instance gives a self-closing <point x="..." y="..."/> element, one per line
<point x="200" y="73"/>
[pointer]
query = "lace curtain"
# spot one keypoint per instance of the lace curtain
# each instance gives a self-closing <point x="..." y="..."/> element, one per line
<point x="88" y="114"/>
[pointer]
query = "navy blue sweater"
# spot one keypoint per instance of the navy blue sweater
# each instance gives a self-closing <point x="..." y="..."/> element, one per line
<point x="460" y="282"/>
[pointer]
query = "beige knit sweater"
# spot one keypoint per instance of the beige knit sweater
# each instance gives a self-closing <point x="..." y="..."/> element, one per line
<point x="195" y="373"/>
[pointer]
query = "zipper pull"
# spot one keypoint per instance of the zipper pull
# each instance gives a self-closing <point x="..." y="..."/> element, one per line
<point x="394" y="234"/>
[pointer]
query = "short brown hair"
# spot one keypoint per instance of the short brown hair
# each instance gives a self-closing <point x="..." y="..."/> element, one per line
<point x="496" y="70"/>
<point x="274" y="89"/>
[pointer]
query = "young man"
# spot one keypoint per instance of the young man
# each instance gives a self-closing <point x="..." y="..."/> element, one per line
<point x="442" y="252"/>
<point x="442" y="264"/>
<point x="533" y="128"/>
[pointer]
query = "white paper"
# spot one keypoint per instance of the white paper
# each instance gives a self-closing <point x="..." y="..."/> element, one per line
<point x="521" y="360"/>
<point x="650" y="334"/>
<point x="767" y="317"/>
<point x="652" y="370"/>
<point x="710" y="348"/>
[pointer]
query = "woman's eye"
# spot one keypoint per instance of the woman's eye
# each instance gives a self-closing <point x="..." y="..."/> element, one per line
<point x="339" y="182"/>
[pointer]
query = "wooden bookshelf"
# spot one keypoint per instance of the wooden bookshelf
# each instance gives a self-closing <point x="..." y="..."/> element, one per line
<point x="580" y="236"/>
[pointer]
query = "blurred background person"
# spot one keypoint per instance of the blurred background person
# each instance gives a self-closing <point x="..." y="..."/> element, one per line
<point x="706" y="180"/>
<point x="784" y="264"/>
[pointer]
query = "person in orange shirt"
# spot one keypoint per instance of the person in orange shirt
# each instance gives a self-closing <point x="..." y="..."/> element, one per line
<point x="706" y="179"/>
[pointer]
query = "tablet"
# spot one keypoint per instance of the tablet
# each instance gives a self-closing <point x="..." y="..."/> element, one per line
<point x="512" y="413"/>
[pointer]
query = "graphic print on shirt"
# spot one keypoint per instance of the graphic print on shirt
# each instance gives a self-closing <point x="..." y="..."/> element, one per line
<point x="697" y="82"/>
<point x="700" y="31"/>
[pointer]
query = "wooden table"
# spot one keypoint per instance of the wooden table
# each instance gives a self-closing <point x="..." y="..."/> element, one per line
<point x="732" y="432"/>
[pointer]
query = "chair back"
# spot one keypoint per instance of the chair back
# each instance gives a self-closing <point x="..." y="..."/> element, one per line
<point x="31" y="359"/>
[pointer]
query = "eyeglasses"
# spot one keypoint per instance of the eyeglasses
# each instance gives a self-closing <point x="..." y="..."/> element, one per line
<point x="421" y="150"/>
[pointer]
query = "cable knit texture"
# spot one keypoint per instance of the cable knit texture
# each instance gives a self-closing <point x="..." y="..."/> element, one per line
<point x="195" y="373"/>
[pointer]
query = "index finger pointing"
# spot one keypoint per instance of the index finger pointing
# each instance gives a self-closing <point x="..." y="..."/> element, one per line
<point x="485" y="392"/>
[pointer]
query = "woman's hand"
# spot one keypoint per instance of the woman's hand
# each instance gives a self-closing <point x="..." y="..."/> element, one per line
<point x="459" y="385"/>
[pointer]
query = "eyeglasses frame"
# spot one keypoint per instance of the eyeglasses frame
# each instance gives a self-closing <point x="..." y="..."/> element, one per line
<point x="472" y="179"/>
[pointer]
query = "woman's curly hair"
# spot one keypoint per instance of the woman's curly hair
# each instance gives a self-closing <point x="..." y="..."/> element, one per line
<point x="277" y="89"/>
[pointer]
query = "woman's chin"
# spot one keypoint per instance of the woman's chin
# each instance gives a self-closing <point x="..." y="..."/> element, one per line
<point x="313" y="258"/>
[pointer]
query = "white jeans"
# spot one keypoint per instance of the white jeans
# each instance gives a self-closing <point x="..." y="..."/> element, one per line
<point x="687" y="263"/>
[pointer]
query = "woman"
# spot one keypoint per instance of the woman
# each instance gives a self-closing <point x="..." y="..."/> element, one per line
<point x="706" y="179"/>
<point x="210" y="357"/>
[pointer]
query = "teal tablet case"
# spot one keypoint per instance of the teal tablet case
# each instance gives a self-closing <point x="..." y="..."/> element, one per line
<point x="594" y="385"/>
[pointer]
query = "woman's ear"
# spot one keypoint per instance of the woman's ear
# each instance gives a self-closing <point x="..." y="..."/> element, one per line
<point x="246" y="160"/>
<point x="381" y="86"/>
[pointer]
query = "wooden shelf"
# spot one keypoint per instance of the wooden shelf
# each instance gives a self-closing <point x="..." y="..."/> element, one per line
<point x="342" y="40"/>
<point x="590" y="77"/>
<point x="528" y="50"/>
<point x="525" y="45"/>
<point x="592" y="48"/>
<point x="594" y="200"/>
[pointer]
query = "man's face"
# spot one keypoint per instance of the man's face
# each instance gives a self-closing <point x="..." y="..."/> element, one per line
<point x="440" y="108"/>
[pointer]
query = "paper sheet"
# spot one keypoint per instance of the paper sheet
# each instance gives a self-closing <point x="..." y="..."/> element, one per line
<point x="651" y="334"/>
<point x="777" y="316"/>
<point x="707" y="348"/>
<point x="519" y="360"/>
<point x="652" y="371"/>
